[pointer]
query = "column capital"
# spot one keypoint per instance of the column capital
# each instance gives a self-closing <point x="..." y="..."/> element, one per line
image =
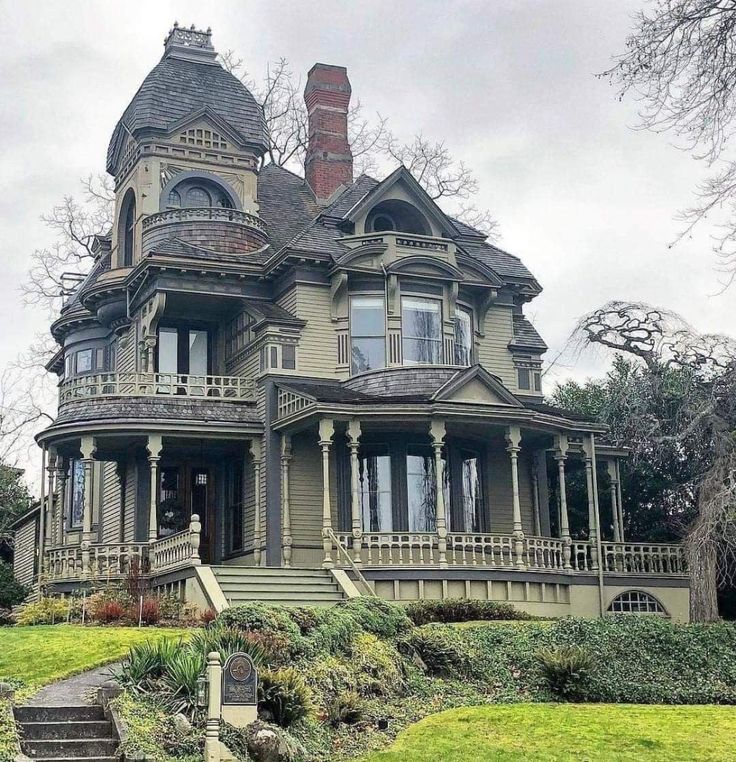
<point x="256" y="449"/>
<point x="87" y="447"/>
<point x="326" y="431"/>
<point x="285" y="448"/>
<point x="154" y="446"/>
<point x="437" y="431"/>
<point x="353" y="431"/>
<point x="561" y="446"/>
<point x="513" y="439"/>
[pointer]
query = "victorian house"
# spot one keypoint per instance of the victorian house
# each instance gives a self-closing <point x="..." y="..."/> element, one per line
<point x="300" y="389"/>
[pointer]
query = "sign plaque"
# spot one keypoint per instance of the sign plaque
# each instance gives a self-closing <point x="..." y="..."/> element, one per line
<point x="239" y="690"/>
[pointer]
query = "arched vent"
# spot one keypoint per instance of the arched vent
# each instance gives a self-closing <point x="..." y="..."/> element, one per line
<point x="636" y="602"/>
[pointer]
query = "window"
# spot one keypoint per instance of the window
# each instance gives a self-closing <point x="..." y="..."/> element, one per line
<point x="127" y="229"/>
<point x="84" y="361"/>
<point x="421" y="325"/>
<point x="288" y="357"/>
<point x="529" y="379"/>
<point x="463" y="336"/>
<point x="172" y="516"/>
<point x="636" y="602"/>
<point x="470" y="492"/>
<point x="421" y="489"/>
<point x="183" y="351"/>
<point x="235" y="506"/>
<point x="238" y="333"/>
<point x="76" y="506"/>
<point x="367" y="333"/>
<point x="197" y="197"/>
<point x="374" y="475"/>
<point x="174" y="199"/>
<point x="199" y="193"/>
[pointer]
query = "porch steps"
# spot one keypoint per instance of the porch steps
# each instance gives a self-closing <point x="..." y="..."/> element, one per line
<point x="66" y="733"/>
<point x="285" y="587"/>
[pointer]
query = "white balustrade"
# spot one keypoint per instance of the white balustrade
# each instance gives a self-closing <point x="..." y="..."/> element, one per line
<point x="544" y="553"/>
<point x="234" y="388"/>
<point x="491" y="550"/>
<point x="106" y="561"/>
<point x="177" y="550"/>
<point x="643" y="558"/>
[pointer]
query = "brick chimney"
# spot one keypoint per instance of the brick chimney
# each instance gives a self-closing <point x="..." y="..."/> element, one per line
<point x="329" y="162"/>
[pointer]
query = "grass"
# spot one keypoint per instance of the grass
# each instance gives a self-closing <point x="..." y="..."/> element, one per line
<point x="43" y="654"/>
<point x="566" y="732"/>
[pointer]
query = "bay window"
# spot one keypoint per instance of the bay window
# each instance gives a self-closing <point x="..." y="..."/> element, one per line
<point x="421" y="326"/>
<point x="463" y="337"/>
<point x="367" y="333"/>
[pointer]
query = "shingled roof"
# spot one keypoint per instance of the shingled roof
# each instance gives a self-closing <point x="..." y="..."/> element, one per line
<point x="188" y="80"/>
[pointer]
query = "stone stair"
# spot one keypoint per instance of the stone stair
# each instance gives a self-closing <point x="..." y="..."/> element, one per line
<point x="285" y="587"/>
<point x="66" y="734"/>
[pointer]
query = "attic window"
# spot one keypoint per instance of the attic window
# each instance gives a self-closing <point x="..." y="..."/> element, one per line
<point x="382" y="222"/>
<point x="394" y="214"/>
<point x="203" y="138"/>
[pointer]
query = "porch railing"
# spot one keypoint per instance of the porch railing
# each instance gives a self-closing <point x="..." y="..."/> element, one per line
<point x="178" y="550"/>
<point x="497" y="551"/>
<point x="234" y="388"/>
<point x="99" y="561"/>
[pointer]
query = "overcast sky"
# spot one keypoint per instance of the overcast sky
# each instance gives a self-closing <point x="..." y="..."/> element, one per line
<point x="587" y="202"/>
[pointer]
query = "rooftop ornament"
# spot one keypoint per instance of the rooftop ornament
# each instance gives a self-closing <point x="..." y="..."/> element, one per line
<point x="191" y="43"/>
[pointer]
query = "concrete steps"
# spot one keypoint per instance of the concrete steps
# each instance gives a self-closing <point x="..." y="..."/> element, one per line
<point x="66" y="733"/>
<point x="285" y="587"/>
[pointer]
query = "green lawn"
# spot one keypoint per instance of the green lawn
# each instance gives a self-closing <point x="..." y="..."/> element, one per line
<point x="556" y="732"/>
<point x="42" y="654"/>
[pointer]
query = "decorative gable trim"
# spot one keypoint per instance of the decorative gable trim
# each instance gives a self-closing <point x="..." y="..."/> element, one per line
<point x="213" y="119"/>
<point x="450" y="390"/>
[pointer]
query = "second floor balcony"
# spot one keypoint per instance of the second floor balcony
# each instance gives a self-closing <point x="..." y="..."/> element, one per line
<point x="133" y="384"/>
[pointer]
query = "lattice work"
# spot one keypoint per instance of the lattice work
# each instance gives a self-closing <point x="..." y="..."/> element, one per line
<point x="198" y="136"/>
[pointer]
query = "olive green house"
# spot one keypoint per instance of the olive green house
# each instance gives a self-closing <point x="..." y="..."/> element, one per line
<point x="301" y="389"/>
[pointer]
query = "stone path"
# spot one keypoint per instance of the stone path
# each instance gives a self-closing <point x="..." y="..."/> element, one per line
<point x="74" y="691"/>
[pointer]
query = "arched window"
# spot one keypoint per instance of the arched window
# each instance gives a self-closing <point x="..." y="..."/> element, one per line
<point x="394" y="214"/>
<point x="174" y="200"/>
<point x="198" y="192"/>
<point x="636" y="602"/>
<point x="197" y="197"/>
<point x="127" y="229"/>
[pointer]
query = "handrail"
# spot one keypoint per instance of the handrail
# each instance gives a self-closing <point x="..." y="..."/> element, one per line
<point x="346" y="556"/>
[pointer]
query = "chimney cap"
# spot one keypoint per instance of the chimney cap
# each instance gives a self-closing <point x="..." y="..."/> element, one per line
<point x="192" y="43"/>
<point x="327" y="77"/>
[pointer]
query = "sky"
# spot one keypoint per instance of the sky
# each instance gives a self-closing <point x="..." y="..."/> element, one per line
<point x="588" y="202"/>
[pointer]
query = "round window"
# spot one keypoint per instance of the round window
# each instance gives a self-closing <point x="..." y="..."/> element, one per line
<point x="382" y="222"/>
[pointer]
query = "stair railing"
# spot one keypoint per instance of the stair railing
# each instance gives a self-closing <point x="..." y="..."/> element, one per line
<point x="343" y="553"/>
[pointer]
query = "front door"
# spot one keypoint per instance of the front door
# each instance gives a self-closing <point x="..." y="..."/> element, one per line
<point x="200" y="499"/>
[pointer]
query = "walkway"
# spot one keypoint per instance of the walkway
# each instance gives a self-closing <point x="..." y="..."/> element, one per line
<point x="74" y="691"/>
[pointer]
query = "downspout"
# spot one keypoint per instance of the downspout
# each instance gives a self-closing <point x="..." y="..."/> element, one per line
<point x="42" y="519"/>
<point x="599" y="543"/>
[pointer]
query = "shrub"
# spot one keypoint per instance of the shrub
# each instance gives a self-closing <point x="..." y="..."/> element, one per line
<point x="305" y="618"/>
<point x="146" y="663"/>
<point x="108" y="611"/>
<point x="566" y="669"/>
<point x="284" y="697"/>
<point x="345" y="708"/>
<point x="227" y="641"/>
<point x="335" y="632"/>
<point x="379" y="617"/>
<point x="330" y="675"/>
<point x="440" y="650"/>
<point x="44" y="611"/>
<point x="170" y="607"/>
<point x="11" y="591"/>
<point x="149" y="612"/>
<point x="180" y="679"/>
<point x="375" y="666"/>
<point x="207" y="617"/>
<point x="462" y="610"/>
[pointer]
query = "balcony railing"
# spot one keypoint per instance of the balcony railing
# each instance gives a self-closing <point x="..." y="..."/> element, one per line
<point x="233" y="388"/>
<point x="496" y="551"/>
<point x="203" y="213"/>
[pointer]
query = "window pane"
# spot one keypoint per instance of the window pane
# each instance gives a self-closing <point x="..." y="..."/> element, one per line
<point x="375" y="491"/>
<point x="288" y="355"/>
<point x="524" y="380"/>
<point x="197" y="197"/>
<point x="367" y="316"/>
<point x="471" y="495"/>
<point x="368" y="354"/>
<point x="420" y="490"/>
<point x="171" y="511"/>
<point x="77" y="504"/>
<point x="168" y="355"/>
<point x="421" y="325"/>
<point x="463" y="337"/>
<point x="84" y="361"/>
<point x="198" y="353"/>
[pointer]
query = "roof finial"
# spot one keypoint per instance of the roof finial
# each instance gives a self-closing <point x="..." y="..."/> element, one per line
<point x="190" y="43"/>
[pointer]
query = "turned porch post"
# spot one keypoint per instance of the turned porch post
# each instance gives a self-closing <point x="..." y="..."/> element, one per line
<point x="326" y="431"/>
<point x="535" y="495"/>
<point x="353" y="432"/>
<point x="613" y="476"/>
<point x="154" y="447"/>
<point x="560" y="456"/>
<point x="285" y="504"/>
<point x="61" y="477"/>
<point x="87" y="449"/>
<point x="256" y="452"/>
<point x="437" y="432"/>
<point x="513" y="447"/>
<point x="592" y="518"/>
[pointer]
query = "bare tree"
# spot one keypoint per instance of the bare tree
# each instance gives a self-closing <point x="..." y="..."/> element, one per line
<point x="55" y="270"/>
<point x="372" y="144"/>
<point x="681" y="64"/>
<point x="692" y="378"/>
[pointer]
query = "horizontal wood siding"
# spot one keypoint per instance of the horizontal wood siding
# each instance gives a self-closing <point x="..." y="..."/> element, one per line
<point x="110" y="529"/>
<point x="130" y="502"/>
<point x="24" y="552"/>
<point x="500" y="493"/>
<point x="493" y="351"/>
<point x="317" y="351"/>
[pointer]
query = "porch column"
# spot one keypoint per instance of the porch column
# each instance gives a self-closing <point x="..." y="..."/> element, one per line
<point x="560" y="456"/>
<point x="326" y="431"/>
<point x="620" y="501"/>
<point x="535" y="495"/>
<point x="437" y="432"/>
<point x="61" y="477"/>
<point x="42" y="517"/>
<point x="590" y="485"/>
<point x="611" y="468"/>
<point x="87" y="449"/>
<point x="285" y="506"/>
<point x="154" y="447"/>
<point x="353" y="432"/>
<point x="51" y="494"/>
<point x="257" y="453"/>
<point x="513" y="447"/>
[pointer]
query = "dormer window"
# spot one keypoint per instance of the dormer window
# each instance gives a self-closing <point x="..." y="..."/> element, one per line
<point x="394" y="214"/>
<point x="463" y="337"/>
<point x="421" y="325"/>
